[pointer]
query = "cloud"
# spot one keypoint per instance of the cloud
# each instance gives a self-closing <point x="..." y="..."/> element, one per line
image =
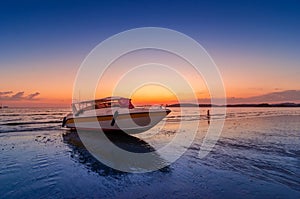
<point x="33" y="95"/>
<point x="10" y="96"/>
<point x="17" y="96"/>
<point x="5" y="93"/>
<point x="274" y="97"/>
<point x="283" y="96"/>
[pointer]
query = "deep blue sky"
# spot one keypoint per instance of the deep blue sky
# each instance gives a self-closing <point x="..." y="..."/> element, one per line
<point x="53" y="27"/>
<point x="243" y="37"/>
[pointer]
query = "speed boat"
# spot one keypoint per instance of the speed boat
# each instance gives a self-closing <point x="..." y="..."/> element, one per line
<point x="113" y="114"/>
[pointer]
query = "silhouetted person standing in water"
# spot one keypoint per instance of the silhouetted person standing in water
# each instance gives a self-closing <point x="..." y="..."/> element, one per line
<point x="208" y="116"/>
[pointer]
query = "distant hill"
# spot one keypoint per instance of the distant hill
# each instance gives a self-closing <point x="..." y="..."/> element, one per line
<point x="183" y="105"/>
<point x="286" y="104"/>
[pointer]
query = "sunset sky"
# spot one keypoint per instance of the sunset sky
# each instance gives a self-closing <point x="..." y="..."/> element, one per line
<point x="255" y="44"/>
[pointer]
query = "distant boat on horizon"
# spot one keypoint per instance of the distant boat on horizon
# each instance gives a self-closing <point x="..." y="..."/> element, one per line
<point x="3" y="106"/>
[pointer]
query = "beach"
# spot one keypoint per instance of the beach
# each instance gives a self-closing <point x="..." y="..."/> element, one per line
<point x="256" y="156"/>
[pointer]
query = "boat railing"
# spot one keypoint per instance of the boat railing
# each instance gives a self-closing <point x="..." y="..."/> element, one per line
<point x="155" y="106"/>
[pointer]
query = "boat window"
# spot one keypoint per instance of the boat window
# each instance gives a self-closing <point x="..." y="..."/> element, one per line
<point x="74" y="108"/>
<point x="103" y="103"/>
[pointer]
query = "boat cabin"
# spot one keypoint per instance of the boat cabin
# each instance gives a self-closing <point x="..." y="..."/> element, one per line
<point x="108" y="102"/>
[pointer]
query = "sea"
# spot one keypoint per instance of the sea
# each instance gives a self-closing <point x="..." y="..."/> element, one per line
<point x="257" y="155"/>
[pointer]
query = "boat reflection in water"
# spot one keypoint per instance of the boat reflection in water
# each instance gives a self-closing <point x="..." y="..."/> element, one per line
<point x="122" y="141"/>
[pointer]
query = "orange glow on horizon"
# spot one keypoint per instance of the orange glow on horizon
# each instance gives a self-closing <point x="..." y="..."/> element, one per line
<point x="55" y="84"/>
<point x="153" y="94"/>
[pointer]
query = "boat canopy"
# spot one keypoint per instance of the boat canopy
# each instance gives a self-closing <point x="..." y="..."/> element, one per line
<point x="107" y="102"/>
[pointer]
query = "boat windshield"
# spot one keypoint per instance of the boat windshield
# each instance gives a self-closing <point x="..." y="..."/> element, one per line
<point x="102" y="103"/>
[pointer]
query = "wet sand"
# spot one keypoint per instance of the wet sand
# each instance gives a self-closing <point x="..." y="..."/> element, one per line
<point x="254" y="158"/>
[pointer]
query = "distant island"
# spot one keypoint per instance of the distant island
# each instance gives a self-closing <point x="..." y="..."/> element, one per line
<point x="287" y="104"/>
